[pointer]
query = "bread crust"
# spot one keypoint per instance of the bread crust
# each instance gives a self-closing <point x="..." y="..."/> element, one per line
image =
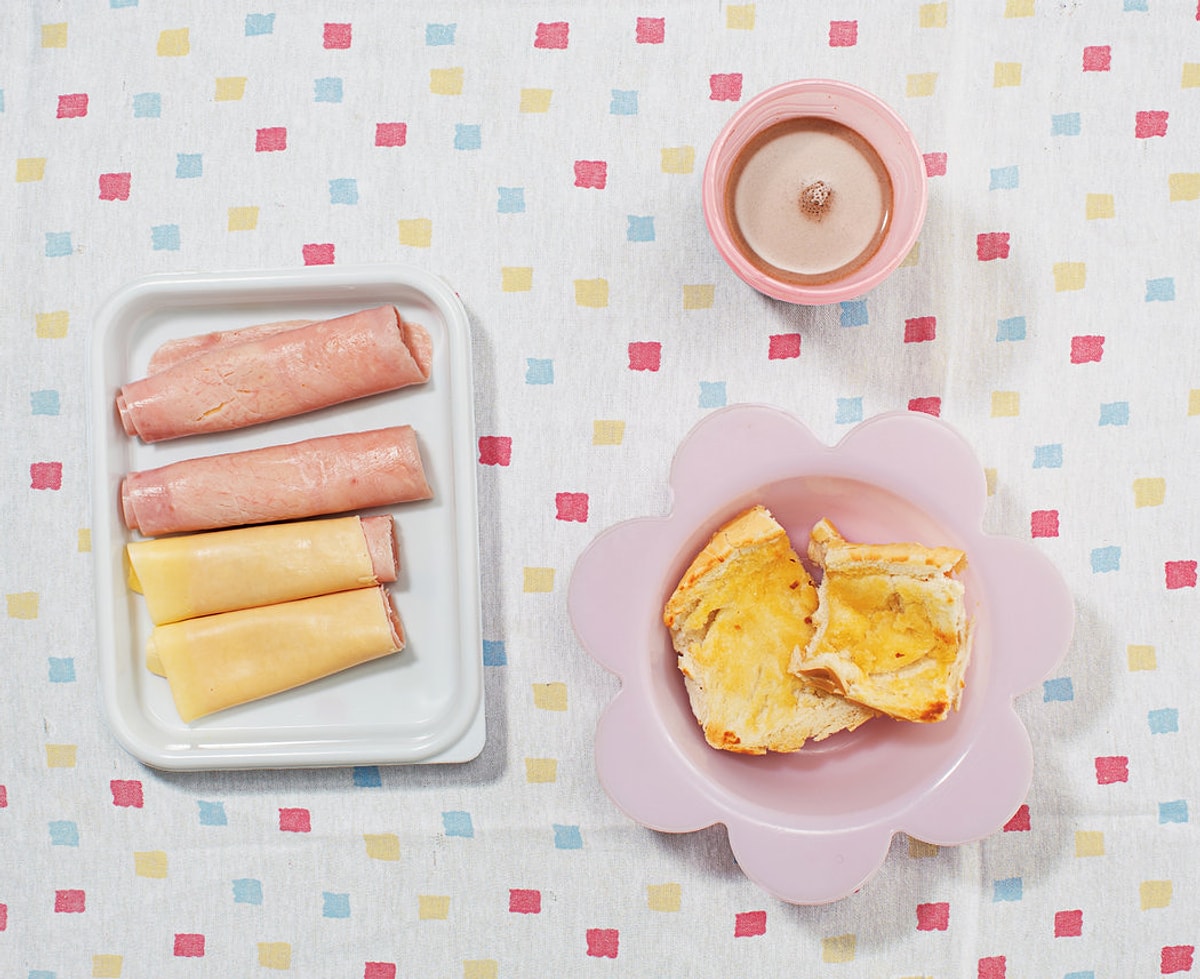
<point x="891" y="630"/>
<point x="737" y="613"/>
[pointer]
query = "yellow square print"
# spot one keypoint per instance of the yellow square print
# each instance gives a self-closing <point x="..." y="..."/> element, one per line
<point x="382" y="846"/>
<point x="932" y="15"/>
<point x="1006" y="74"/>
<point x="990" y="475"/>
<point x="416" y="232"/>
<point x="107" y="966"/>
<point x="230" y="89"/>
<point x="536" y="99"/>
<point x="173" y="44"/>
<point x="481" y="969"/>
<point x="1155" y="893"/>
<point x="538" y="580"/>
<point x="54" y="35"/>
<point x="919" y="849"/>
<point x="60" y="755"/>
<point x="1069" y="276"/>
<point x="1149" y="491"/>
<point x="446" y="81"/>
<point x="1089" y="843"/>
<point x="838" y="948"/>
<point x="83" y="540"/>
<point x="243" y="218"/>
<point x="275" y="955"/>
<point x="919" y="86"/>
<point x="541" y="769"/>
<point x="30" y="168"/>
<point x="740" y="17"/>
<point x="1194" y="401"/>
<point x="1018" y="8"/>
<point x="550" y="696"/>
<point x="1140" y="657"/>
<point x="516" y="278"/>
<point x="1191" y="75"/>
<point x="591" y="293"/>
<point x="608" y="431"/>
<point x="663" y="897"/>
<point x="22" y="605"/>
<point x="678" y="159"/>
<point x="150" y="863"/>
<point x="699" y="296"/>
<point x="1100" y="206"/>
<point x="913" y="258"/>
<point x="1181" y="186"/>
<point x="433" y="907"/>
<point x="53" y="325"/>
<point x="1006" y="404"/>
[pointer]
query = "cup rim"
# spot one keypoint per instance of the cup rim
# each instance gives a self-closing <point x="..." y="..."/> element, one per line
<point x="875" y="121"/>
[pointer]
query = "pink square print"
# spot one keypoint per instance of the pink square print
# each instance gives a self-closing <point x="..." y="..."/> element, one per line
<point x="1043" y="523"/>
<point x="126" y="793"/>
<point x="725" y="88"/>
<point x="1097" y="58"/>
<point x="1112" y="769"/>
<point x="843" y="33"/>
<point x="45" y="476"/>
<point x="591" y="174"/>
<point x="379" y="970"/>
<point x="1176" y="958"/>
<point x="70" y="902"/>
<point x="645" y="355"/>
<point x="318" y="254"/>
<point x="783" y="346"/>
<point x="295" y="821"/>
<point x="603" y="942"/>
<point x="1068" y="924"/>
<point x="73" y="106"/>
<point x="992" y="967"/>
<point x="271" y="139"/>
<point x="391" y="133"/>
<point x="337" y="36"/>
<point x="1020" y="821"/>
<point x="189" y="946"/>
<point x="931" y="406"/>
<point x="552" y="36"/>
<point x="748" y="924"/>
<point x="991" y="246"/>
<point x="935" y="164"/>
<point x="933" y="916"/>
<point x="521" y="901"/>
<point x="651" y="30"/>
<point x="571" y="507"/>
<point x="920" y="329"/>
<point x="1180" y="574"/>
<point x="495" y="450"/>
<point x="114" y="186"/>
<point x="1147" y="124"/>
<point x="1087" y="349"/>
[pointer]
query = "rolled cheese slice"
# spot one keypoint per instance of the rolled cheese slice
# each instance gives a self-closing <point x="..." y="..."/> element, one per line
<point x="278" y="375"/>
<point x="219" y="661"/>
<point x="329" y="474"/>
<point x="223" y="570"/>
<point x="172" y="352"/>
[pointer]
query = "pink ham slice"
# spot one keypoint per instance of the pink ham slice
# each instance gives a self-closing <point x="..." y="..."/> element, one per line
<point x="173" y="351"/>
<point x="331" y="474"/>
<point x="380" y="533"/>
<point x="286" y="373"/>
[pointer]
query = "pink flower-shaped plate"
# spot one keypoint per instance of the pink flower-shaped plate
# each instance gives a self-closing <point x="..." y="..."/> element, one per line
<point x="812" y="826"/>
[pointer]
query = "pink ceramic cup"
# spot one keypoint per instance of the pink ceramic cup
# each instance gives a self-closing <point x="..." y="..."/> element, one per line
<point x="872" y="119"/>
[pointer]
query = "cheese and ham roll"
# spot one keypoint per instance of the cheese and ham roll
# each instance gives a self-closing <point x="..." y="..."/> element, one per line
<point x="279" y="375"/>
<point x="328" y="474"/>
<point x="172" y="352"/>
<point x="223" y="570"/>
<point x="218" y="661"/>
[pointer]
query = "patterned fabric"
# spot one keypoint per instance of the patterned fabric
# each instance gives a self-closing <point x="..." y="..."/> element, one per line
<point x="546" y="160"/>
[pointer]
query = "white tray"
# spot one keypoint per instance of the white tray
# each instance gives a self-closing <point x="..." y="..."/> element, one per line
<point x="424" y="704"/>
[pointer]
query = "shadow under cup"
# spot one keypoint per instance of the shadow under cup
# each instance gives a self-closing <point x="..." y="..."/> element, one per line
<point x="814" y="192"/>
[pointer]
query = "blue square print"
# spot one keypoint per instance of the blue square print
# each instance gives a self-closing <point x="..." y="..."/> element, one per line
<point x="1160" y="290"/>
<point x="624" y="102"/>
<point x="147" y="105"/>
<point x="188" y="165"/>
<point x="58" y="244"/>
<point x="567" y="838"/>
<point x="44" y="402"/>
<point x="712" y="394"/>
<point x="1114" y="413"/>
<point x="367" y="777"/>
<point x="640" y="228"/>
<point x="1175" y="811"/>
<point x="1048" y="456"/>
<point x="854" y="313"/>
<point x="538" y="371"/>
<point x="1009" y="889"/>
<point x="494" y="653"/>
<point x="343" y="190"/>
<point x="439" y="35"/>
<point x="1106" y="559"/>
<point x="467" y="137"/>
<point x="458" y="823"/>
<point x="1010" y="328"/>
<point x="212" y="813"/>
<point x="849" y="411"/>
<point x="62" y="669"/>
<point x="1164" y="720"/>
<point x="327" y="90"/>
<point x="247" y="890"/>
<point x="164" y="238"/>
<point x="1060" y="688"/>
<point x="1005" y="178"/>
<point x="335" y="905"/>
<point x="63" y="832"/>
<point x="259" y="24"/>
<point x="512" y="200"/>
<point x="1065" y="124"/>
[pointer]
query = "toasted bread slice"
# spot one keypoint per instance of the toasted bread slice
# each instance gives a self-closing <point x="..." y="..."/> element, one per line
<point x="740" y="609"/>
<point x="892" y="630"/>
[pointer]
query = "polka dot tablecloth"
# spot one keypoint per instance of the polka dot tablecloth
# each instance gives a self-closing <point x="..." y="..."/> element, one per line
<point x="545" y="159"/>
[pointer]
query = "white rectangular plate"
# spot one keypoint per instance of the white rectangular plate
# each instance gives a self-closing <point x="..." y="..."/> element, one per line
<point x="424" y="704"/>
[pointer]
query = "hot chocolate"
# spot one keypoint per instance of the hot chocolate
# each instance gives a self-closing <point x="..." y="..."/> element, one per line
<point x="808" y="200"/>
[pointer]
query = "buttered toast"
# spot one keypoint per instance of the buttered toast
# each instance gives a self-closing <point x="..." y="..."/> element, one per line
<point x="892" y="631"/>
<point x="741" y="608"/>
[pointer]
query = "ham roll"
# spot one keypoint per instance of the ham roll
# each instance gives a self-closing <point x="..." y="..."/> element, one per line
<point x="173" y="351"/>
<point x="223" y="570"/>
<point x="329" y="474"/>
<point x="218" y="661"/>
<point x="277" y="375"/>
